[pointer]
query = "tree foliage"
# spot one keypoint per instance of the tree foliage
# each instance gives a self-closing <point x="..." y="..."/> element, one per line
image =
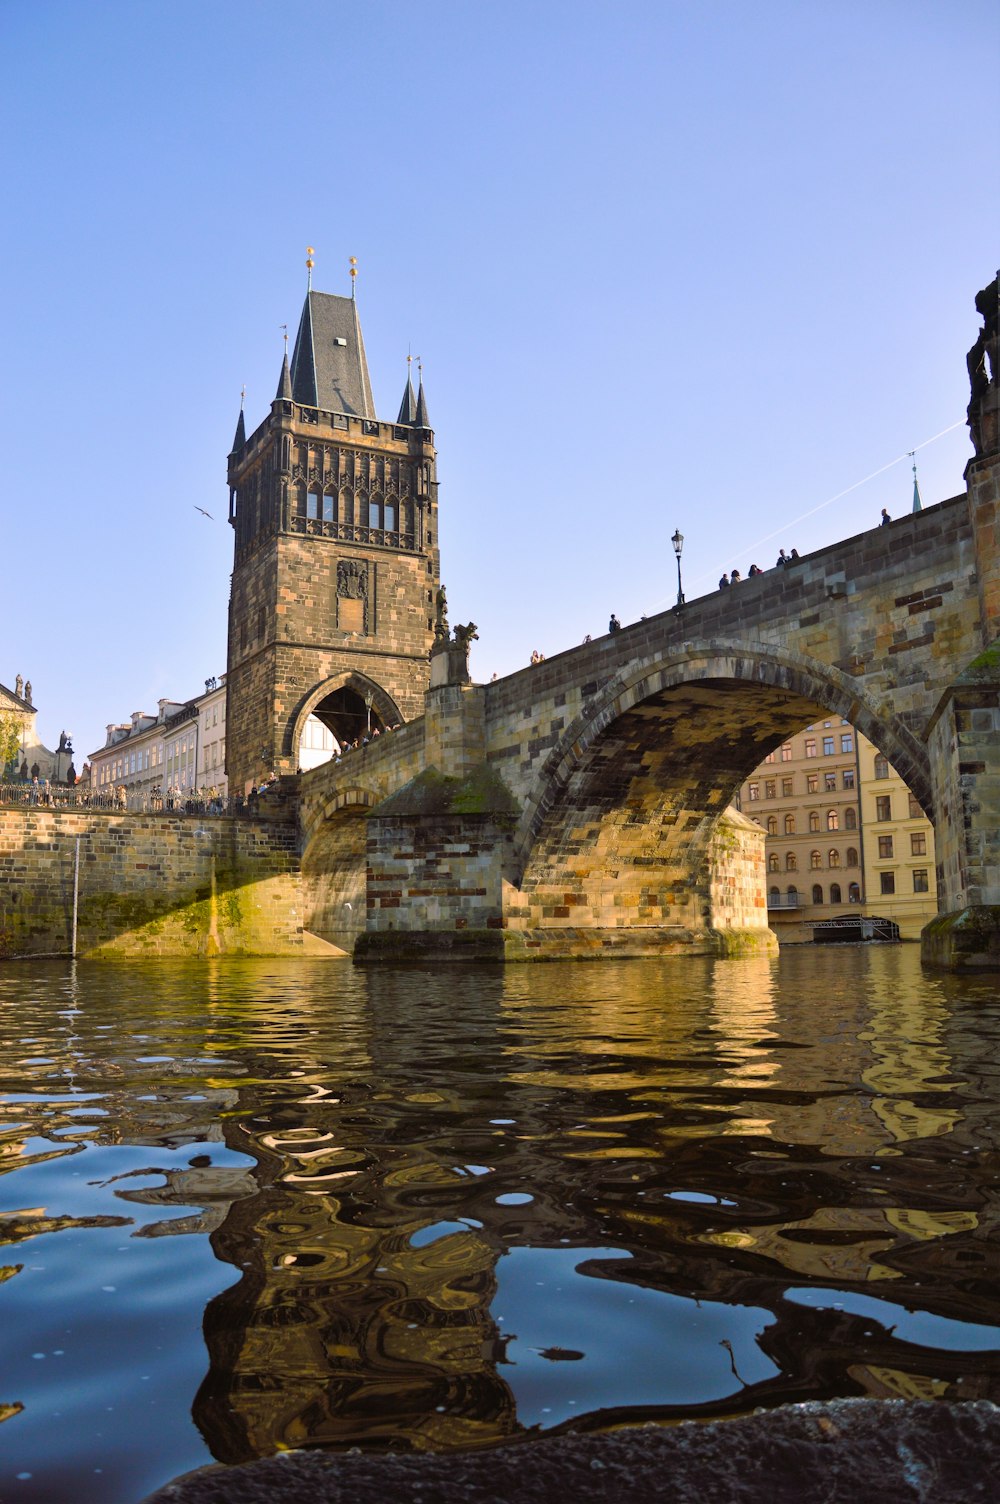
<point x="10" y="738"/>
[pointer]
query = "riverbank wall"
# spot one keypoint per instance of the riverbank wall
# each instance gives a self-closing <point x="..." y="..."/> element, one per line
<point x="149" y="885"/>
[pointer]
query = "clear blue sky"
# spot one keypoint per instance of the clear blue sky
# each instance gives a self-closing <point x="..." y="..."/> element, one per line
<point x="695" y="265"/>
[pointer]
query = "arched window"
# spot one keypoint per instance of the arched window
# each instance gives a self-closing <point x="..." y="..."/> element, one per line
<point x="775" y="892"/>
<point x="312" y="505"/>
<point x="773" y="865"/>
<point x="852" y="856"/>
<point x="834" y="857"/>
<point x="789" y="825"/>
<point x="815" y="859"/>
<point x="853" y="893"/>
<point x="832" y="820"/>
<point x="329" y="507"/>
<point x="374" y="512"/>
<point x="793" y="893"/>
<point x="814" y="819"/>
<point x="790" y="862"/>
<point x="389" y="514"/>
<point x="817" y="893"/>
<point x="772" y="825"/>
<point x="835" y="893"/>
<point x="850" y="818"/>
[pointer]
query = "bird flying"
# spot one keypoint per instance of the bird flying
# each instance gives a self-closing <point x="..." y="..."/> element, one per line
<point x="203" y="512"/>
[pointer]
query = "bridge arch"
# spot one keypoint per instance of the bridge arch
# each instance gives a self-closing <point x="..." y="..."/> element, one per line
<point x="349" y="690"/>
<point x="653" y="724"/>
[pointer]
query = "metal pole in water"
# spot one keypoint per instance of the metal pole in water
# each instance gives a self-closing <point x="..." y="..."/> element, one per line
<point x="76" y="893"/>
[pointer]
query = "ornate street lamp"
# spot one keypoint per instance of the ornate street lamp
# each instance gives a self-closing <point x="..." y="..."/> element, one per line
<point x="678" y="541"/>
<point x="369" y="698"/>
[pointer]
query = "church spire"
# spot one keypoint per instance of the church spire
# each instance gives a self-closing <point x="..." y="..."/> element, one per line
<point x="916" y="490"/>
<point x="284" y="392"/>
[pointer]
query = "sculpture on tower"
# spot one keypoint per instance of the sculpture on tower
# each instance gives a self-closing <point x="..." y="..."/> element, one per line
<point x="984" y="373"/>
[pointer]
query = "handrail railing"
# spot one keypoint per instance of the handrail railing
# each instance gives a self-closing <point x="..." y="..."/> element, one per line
<point x="133" y="801"/>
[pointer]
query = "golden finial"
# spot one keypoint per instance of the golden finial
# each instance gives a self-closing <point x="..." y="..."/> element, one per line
<point x="354" y="273"/>
<point x="310" y="253"/>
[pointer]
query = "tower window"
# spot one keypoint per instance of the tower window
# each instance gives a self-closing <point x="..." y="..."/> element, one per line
<point x="312" y="505"/>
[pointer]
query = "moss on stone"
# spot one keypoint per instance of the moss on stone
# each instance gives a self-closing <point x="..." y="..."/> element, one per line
<point x="985" y="669"/>
<point x="435" y="794"/>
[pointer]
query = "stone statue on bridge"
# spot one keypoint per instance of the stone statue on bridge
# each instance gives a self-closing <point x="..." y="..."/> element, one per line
<point x="441" y="629"/>
<point x="984" y="400"/>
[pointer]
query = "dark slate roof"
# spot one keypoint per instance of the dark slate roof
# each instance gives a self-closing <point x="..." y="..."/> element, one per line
<point x="408" y="406"/>
<point x="329" y="368"/>
<point x="421" y="419"/>
<point x="241" y="433"/>
<point x="284" y="382"/>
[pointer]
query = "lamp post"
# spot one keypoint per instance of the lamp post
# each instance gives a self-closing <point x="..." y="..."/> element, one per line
<point x="678" y="541"/>
<point x="369" y="698"/>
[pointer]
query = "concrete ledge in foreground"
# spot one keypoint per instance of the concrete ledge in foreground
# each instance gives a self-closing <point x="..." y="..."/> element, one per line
<point x="889" y="1451"/>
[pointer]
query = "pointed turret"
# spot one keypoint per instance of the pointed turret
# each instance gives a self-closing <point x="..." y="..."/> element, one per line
<point x="241" y="433"/>
<point x="408" y="406"/>
<point x="421" y="419"/>
<point x="329" y="367"/>
<point x="916" y="492"/>
<point x="284" y="392"/>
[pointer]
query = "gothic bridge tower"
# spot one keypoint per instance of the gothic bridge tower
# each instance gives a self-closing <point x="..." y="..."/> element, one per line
<point x="336" y="566"/>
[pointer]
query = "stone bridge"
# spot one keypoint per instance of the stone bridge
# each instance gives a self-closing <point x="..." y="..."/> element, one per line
<point x="578" y="807"/>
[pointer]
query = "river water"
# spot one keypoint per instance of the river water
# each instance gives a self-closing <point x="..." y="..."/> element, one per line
<point x="257" y="1205"/>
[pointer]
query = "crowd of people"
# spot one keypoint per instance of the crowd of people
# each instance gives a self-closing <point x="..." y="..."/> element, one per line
<point x="781" y="562"/>
<point x="363" y="741"/>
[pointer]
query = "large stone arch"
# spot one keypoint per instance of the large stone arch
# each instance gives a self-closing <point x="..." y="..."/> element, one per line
<point x="383" y="704"/>
<point x="618" y="824"/>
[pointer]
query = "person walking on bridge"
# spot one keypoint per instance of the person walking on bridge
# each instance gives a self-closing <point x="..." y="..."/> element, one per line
<point x="614" y="625"/>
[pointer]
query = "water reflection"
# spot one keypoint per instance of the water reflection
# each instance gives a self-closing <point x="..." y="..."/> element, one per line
<point x="449" y="1210"/>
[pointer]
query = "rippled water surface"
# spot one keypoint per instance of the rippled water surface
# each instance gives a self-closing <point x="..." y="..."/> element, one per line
<point x="255" y="1205"/>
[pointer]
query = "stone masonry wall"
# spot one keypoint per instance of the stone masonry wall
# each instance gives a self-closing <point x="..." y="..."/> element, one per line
<point x="149" y="885"/>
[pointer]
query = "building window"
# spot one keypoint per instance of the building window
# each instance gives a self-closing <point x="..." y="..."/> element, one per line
<point x="830" y="782"/>
<point x="815" y="859"/>
<point x="793" y="895"/>
<point x="810" y="746"/>
<point x="853" y="893"/>
<point x="850" y="818"/>
<point x="887" y="881"/>
<point x="883" y="807"/>
<point x="817" y="893"/>
<point x="789" y="825"/>
<point x="753" y="791"/>
<point x="847" y="778"/>
<point x="833" y="858"/>
<point x="769" y="757"/>
<point x="312" y="505"/>
<point x="920" y="883"/>
<point x="916" y="813"/>
<point x="769" y="787"/>
<point x="786" y="752"/>
<point x="812" y="783"/>
<point x="773" y="865"/>
<point x="835" y="893"/>
<point x="329" y="507"/>
<point x="791" y="865"/>
<point x="884" y="848"/>
<point x="852" y="856"/>
<point x="832" y="820"/>
<point x="374" y="519"/>
<point x="814" y="819"/>
<point x="918" y="843"/>
<point x="847" y="743"/>
<point x="786" y="788"/>
<point x="828" y="746"/>
<point x="881" y="766"/>
<point x="390" y="516"/>
<point x="772" y="825"/>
